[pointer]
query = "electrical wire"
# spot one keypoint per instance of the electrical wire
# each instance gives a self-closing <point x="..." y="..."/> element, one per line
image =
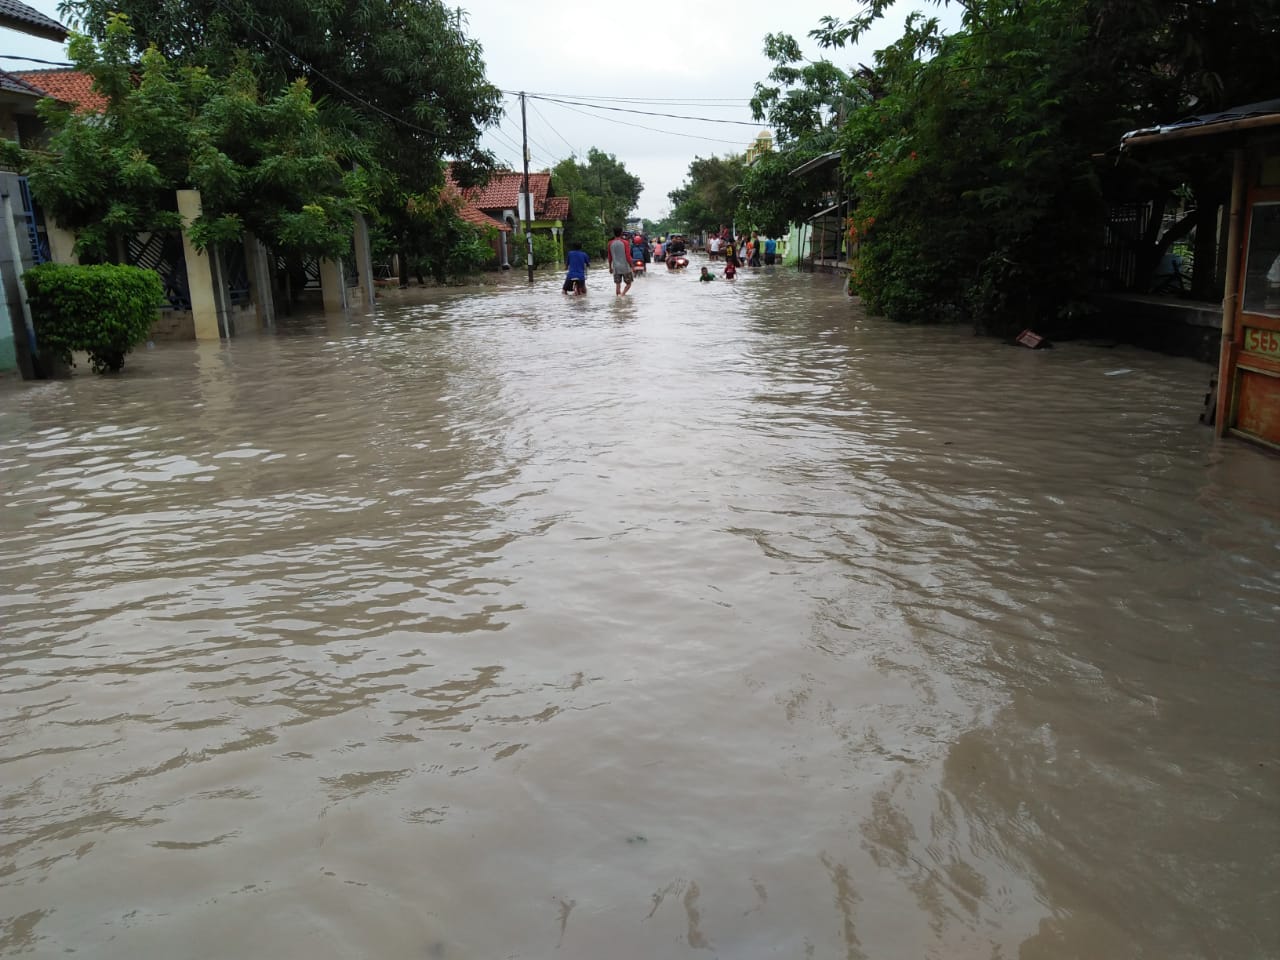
<point x="52" y="63"/>
<point x="327" y="79"/>
<point x="647" y="113"/>
<point x="627" y="123"/>
<point x="572" y="151"/>
<point x="708" y="101"/>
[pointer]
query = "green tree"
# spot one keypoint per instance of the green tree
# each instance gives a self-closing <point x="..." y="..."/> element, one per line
<point x="411" y="80"/>
<point x="602" y="193"/>
<point x="981" y="195"/>
<point x="269" y="165"/>
<point x="708" y="197"/>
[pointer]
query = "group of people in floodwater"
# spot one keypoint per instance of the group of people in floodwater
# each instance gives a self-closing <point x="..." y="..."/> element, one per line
<point x="627" y="254"/>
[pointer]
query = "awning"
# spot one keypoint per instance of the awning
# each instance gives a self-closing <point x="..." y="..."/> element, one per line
<point x="1251" y="118"/>
<point x="817" y="163"/>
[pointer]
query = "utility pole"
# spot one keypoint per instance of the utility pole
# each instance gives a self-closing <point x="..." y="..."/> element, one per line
<point x="528" y="197"/>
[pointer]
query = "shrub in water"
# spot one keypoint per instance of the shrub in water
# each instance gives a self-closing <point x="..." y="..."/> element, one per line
<point x="103" y="310"/>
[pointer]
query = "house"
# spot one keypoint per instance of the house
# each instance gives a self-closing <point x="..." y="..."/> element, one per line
<point x="21" y="240"/>
<point x="1247" y="401"/>
<point x="498" y="202"/>
<point x="70" y="86"/>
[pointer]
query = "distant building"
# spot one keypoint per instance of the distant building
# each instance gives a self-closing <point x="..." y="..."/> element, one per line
<point x="496" y="203"/>
<point x="18" y="122"/>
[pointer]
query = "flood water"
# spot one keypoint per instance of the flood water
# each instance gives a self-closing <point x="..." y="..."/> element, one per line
<point x="719" y="621"/>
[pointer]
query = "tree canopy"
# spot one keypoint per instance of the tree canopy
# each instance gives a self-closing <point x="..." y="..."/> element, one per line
<point x="402" y="77"/>
<point x="267" y="164"/>
<point x="979" y="164"/>
<point x="709" y="196"/>
<point x="602" y="194"/>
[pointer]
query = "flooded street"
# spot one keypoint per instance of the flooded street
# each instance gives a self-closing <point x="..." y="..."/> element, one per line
<point x="717" y="621"/>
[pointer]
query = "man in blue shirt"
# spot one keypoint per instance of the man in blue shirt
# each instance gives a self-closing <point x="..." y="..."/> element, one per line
<point x="576" y="279"/>
<point x="770" y="251"/>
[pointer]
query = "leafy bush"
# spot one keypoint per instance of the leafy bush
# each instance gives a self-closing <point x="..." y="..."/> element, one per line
<point x="546" y="255"/>
<point x="104" y="310"/>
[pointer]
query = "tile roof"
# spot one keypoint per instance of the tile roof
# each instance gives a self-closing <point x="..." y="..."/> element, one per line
<point x="13" y="83"/>
<point x="18" y="16"/>
<point x="69" y="86"/>
<point x="556" y="208"/>
<point x="502" y="189"/>
<point x="467" y="210"/>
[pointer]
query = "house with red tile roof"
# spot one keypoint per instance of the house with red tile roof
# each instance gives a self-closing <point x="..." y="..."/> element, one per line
<point x="498" y="201"/>
<point x="69" y="86"/>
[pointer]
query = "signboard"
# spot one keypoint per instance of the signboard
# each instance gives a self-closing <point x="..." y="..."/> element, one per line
<point x="1263" y="342"/>
<point x="523" y="210"/>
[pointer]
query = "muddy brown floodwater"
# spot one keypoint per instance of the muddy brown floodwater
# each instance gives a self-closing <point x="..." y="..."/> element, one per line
<point x="720" y="621"/>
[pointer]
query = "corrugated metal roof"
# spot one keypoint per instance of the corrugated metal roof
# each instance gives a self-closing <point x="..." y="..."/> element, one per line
<point x="18" y="16"/>
<point x="1262" y="115"/>
<point x="826" y="160"/>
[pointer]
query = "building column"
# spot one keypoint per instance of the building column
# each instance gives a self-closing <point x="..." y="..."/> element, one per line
<point x="259" y="269"/>
<point x="333" y="286"/>
<point x="62" y="243"/>
<point x="200" y="272"/>
<point x="367" y="296"/>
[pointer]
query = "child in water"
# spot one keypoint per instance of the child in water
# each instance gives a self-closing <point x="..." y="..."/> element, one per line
<point x="706" y="275"/>
<point x="575" y="281"/>
<point x="730" y="271"/>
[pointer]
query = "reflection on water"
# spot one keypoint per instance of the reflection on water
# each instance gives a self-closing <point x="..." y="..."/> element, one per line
<point x="719" y="620"/>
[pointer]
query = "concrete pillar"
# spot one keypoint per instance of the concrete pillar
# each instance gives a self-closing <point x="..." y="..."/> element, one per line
<point x="200" y="272"/>
<point x="62" y="243"/>
<point x="333" y="286"/>
<point x="366" y="296"/>
<point x="259" y="268"/>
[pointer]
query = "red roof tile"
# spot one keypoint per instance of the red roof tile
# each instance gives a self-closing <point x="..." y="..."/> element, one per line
<point x="69" y="86"/>
<point x="467" y="210"/>
<point x="556" y="208"/>
<point x="501" y="191"/>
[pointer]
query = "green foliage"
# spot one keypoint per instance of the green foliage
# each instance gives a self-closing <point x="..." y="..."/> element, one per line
<point x="267" y="164"/>
<point x="803" y="98"/>
<point x="456" y="249"/>
<point x="973" y="165"/>
<point x="601" y="195"/>
<point x="708" y="197"/>
<point x="545" y="252"/>
<point x="771" y="199"/>
<point x="104" y="310"/>
<point x="400" y="79"/>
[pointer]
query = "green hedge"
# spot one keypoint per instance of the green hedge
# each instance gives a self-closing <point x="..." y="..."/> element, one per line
<point x="103" y="310"/>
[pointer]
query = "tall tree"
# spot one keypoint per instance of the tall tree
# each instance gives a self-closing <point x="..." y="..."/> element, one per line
<point x="263" y="163"/>
<point x="980" y="193"/>
<point x="602" y="193"/>
<point x="406" y="71"/>
<point x="708" y="197"/>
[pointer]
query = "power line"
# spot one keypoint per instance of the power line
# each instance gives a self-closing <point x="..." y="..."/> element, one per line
<point x="708" y="101"/>
<point x="648" y="113"/>
<point x="627" y="123"/>
<point x="572" y="151"/>
<point x="52" y="63"/>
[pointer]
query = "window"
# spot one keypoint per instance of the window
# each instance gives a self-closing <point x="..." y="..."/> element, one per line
<point x="1262" y="269"/>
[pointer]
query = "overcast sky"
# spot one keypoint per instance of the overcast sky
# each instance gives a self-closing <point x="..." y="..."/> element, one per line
<point x="690" y="51"/>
